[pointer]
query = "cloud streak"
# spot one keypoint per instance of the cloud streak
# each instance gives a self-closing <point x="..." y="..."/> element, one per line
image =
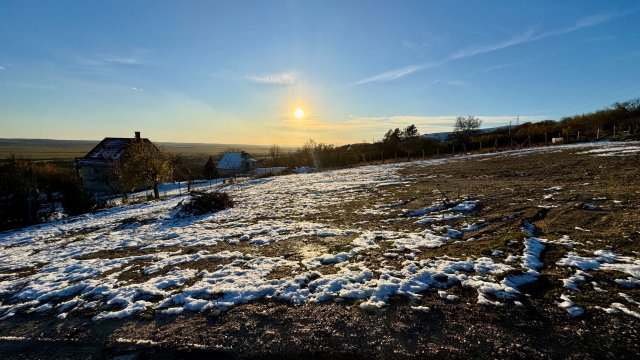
<point x="395" y="74"/>
<point x="276" y="79"/>
<point x="135" y="57"/>
<point x="122" y="59"/>
<point x="460" y="83"/>
<point x="526" y="37"/>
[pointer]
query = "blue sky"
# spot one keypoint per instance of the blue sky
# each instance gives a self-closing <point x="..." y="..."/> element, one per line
<point x="234" y="71"/>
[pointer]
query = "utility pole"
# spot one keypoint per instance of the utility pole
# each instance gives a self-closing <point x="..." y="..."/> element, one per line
<point x="510" y="138"/>
<point x="30" y="198"/>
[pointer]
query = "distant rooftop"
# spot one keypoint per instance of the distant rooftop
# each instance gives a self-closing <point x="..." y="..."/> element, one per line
<point x="232" y="160"/>
<point x="111" y="148"/>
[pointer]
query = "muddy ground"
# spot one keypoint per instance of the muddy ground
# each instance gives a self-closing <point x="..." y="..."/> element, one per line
<point x="598" y="206"/>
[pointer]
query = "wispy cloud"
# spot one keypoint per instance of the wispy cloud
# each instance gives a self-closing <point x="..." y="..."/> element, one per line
<point x="398" y="120"/>
<point x="526" y="37"/>
<point x="1" y="67"/>
<point x="136" y="88"/>
<point x="497" y="67"/>
<point x="278" y="79"/>
<point x="461" y="83"/>
<point x="136" y="56"/>
<point x="395" y="74"/>
<point x="473" y="51"/>
<point x="122" y="59"/>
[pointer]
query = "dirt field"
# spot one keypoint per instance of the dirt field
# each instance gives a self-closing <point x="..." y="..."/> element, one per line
<point x="581" y="304"/>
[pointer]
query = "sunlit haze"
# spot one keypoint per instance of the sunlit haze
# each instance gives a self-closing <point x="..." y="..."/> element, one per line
<point x="237" y="71"/>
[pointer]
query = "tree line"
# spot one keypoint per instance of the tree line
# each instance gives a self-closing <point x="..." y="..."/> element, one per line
<point x="620" y="120"/>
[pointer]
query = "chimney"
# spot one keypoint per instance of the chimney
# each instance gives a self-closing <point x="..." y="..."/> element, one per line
<point x="137" y="135"/>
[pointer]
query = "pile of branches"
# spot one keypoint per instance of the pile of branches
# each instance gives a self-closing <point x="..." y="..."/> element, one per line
<point x="201" y="203"/>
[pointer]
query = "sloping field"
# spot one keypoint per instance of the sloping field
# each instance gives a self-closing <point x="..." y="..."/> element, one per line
<point x="529" y="253"/>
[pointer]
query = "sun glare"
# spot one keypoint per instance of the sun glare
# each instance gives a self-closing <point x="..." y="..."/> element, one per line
<point x="299" y="114"/>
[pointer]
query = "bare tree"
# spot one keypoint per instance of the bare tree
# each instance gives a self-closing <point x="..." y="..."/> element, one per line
<point x="275" y="152"/>
<point x="143" y="163"/>
<point x="465" y="128"/>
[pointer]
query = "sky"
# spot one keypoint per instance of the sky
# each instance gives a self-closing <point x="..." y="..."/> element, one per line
<point x="233" y="72"/>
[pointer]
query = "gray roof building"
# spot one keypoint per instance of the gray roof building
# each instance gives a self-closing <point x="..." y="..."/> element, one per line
<point x="96" y="167"/>
<point x="235" y="162"/>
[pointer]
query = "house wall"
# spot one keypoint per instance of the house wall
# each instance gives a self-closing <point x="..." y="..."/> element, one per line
<point x="99" y="179"/>
<point x="244" y="168"/>
<point x="227" y="172"/>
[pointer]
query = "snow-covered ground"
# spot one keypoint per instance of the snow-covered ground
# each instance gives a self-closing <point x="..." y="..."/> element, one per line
<point x="170" y="189"/>
<point x="61" y="267"/>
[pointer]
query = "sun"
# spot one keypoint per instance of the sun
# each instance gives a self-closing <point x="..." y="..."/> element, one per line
<point x="299" y="114"/>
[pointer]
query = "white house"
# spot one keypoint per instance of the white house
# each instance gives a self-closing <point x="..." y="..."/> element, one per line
<point x="234" y="163"/>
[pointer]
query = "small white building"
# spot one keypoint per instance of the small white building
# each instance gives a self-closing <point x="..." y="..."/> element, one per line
<point x="557" y="140"/>
<point x="234" y="163"/>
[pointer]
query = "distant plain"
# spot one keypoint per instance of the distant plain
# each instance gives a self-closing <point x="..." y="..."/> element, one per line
<point x="50" y="150"/>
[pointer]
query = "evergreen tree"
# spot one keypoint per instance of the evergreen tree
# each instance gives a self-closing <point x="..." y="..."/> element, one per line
<point x="209" y="171"/>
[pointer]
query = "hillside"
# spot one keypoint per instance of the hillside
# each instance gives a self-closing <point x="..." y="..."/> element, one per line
<point x="528" y="253"/>
<point x="444" y="136"/>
